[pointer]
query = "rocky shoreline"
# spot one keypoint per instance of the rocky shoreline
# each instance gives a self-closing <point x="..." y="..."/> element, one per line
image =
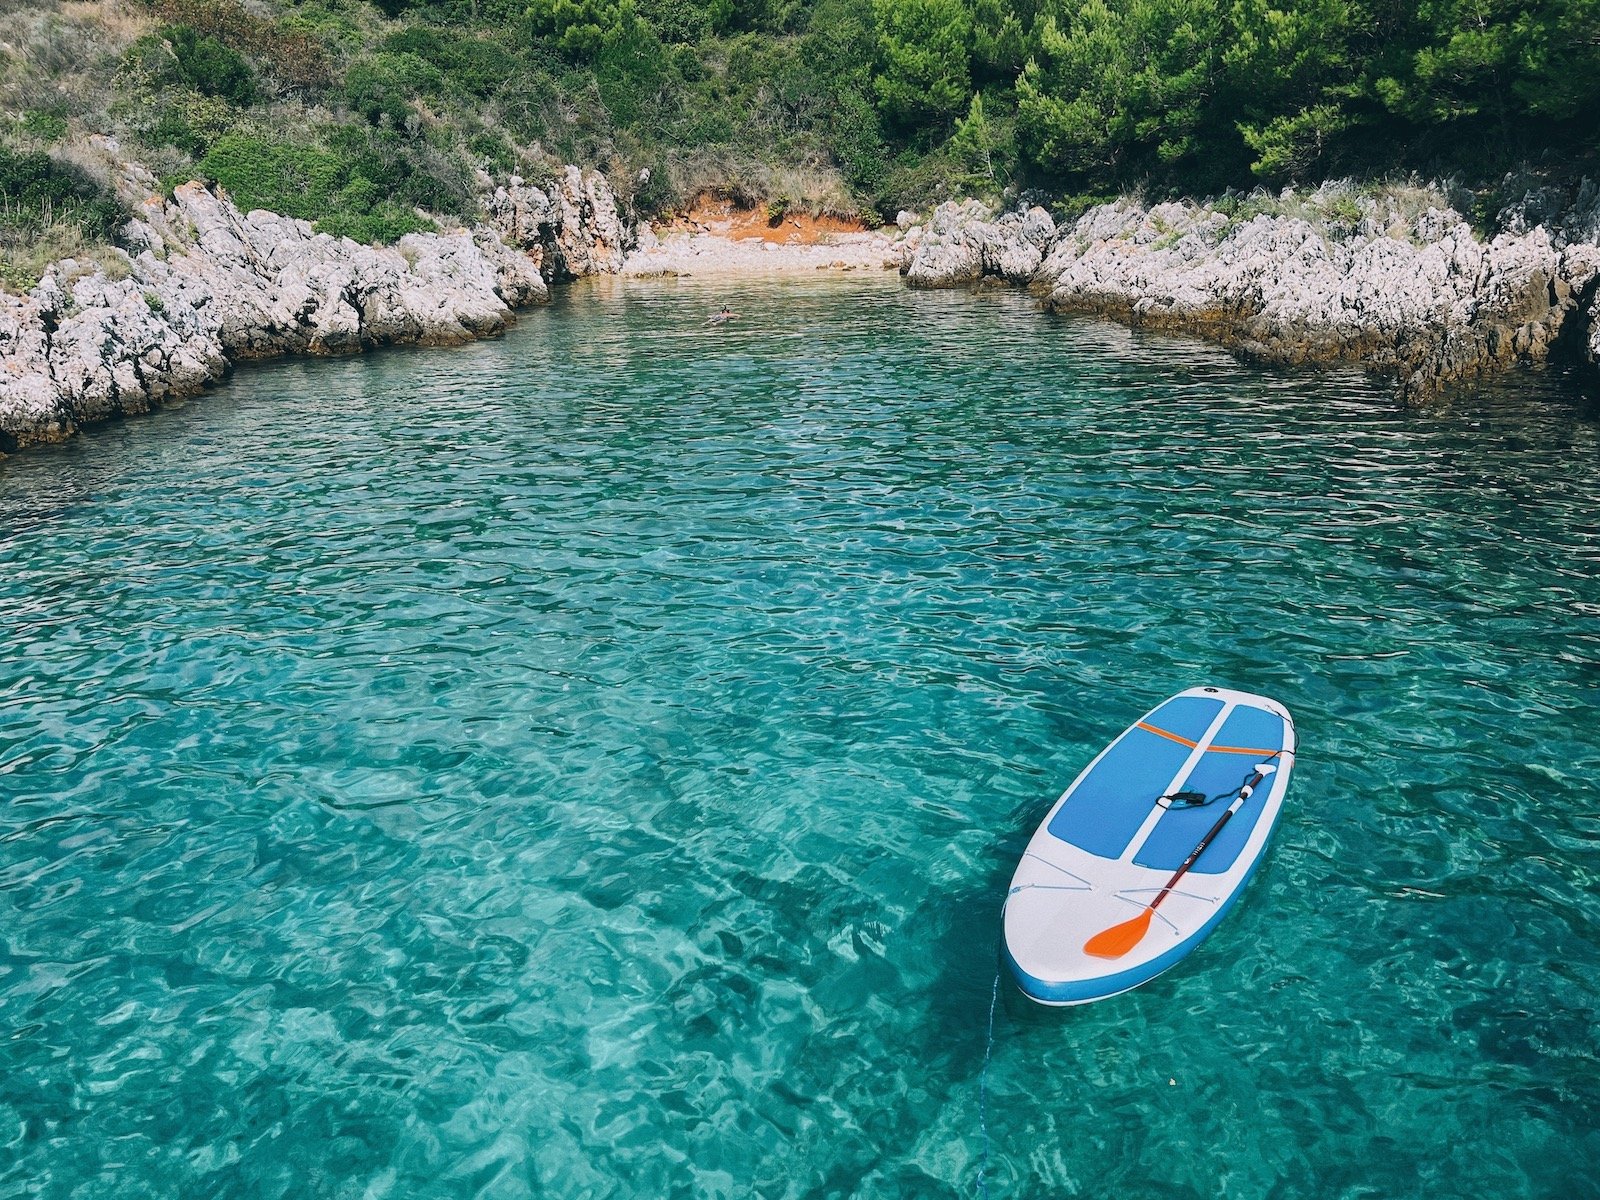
<point x="1397" y="281"/>
<point x="202" y="285"/>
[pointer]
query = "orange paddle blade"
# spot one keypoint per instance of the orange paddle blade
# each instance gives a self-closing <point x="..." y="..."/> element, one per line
<point x="1119" y="939"/>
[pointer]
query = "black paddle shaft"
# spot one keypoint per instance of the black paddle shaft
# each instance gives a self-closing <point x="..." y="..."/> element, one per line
<point x="1194" y="855"/>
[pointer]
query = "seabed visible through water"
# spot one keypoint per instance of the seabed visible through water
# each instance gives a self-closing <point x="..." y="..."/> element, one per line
<point x="590" y="763"/>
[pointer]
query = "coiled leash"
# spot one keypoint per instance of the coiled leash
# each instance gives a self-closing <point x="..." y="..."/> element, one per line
<point x="1119" y="939"/>
<point x="1252" y="780"/>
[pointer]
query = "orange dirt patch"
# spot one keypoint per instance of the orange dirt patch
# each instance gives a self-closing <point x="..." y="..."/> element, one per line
<point x="723" y="218"/>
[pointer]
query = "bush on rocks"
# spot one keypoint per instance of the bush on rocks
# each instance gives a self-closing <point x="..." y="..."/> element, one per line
<point x="48" y="210"/>
<point x="311" y="183"/>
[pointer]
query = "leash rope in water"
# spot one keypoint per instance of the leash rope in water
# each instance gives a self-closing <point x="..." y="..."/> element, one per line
<point x="983" y="1092"/>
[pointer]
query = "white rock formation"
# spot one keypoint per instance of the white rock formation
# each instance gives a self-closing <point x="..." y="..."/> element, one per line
<point x="571" y="230"/>
<point x="964" y="242"/>
<point x="1428" y="300"/>
<point x="206" y="284"/>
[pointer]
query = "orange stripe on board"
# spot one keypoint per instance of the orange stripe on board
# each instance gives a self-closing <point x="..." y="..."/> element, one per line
<point x="1252" y="750"/>
<point x="1170" y="736"/>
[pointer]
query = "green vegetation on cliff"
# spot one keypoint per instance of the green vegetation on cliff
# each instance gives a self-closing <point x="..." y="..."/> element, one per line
<point x="359" y="114"/>
<point x="48" y="210"/>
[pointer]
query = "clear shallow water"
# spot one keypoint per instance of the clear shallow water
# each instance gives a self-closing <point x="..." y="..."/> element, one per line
<point x="589" y="764"/>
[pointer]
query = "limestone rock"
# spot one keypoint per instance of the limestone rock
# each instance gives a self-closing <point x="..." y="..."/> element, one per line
<point x="207" y="283"/>
<point x="1423" y="297"/>
<point x="570" y="231"/>
<point x="962" y="243"/>
<point x="30" y="408"/>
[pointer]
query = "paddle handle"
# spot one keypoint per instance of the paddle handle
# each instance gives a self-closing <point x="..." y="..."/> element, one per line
<point x="1200" y="848"/>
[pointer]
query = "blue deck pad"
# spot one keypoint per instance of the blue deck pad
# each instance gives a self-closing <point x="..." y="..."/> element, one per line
<point x="1105" y="810"/>
<point x="1180" y="831"/>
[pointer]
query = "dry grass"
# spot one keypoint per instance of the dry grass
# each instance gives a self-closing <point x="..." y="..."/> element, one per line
<point x="1342" y="209"/>
<point x="65" y="55"/>
<point x="749" y="183"/>
<point x="30" y="242"/>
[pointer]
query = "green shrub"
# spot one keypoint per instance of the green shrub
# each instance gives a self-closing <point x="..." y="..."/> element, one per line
<point x="43" y="125"/>
<point x="1070" y="207"/>
<point x="435" y="179"/>
<point x="856" y="138"/>
<point x="492" y="152"/>
<point x="1344" y="213"/>
<point x="686" y="64"/>
<point x="49" y="211"/>
<point x="580" y="29"/>
<point x="355" y="189"/>
<point x="473" y="66"/>
<point x="386" y="222"/>
<point x="205" y="65"/>
<point x="33" y="185"/>
<point x="191" y="122"/>
<point x="282" y="177"/>
<point x="656" y="195"/>
<point x="382" y="86"/>
<point x="918" y="183"/>
<point x="289" y="49"/>
<point x="678" y="21"/>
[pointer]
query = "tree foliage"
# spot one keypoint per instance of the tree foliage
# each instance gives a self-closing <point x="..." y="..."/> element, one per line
<point x="905" y="101"/>
<point x="581" y="28"/>
<point x="924" y="46"/>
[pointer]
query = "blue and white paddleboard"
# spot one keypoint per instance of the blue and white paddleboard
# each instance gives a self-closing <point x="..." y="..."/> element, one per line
<point x="1094" y="908"/>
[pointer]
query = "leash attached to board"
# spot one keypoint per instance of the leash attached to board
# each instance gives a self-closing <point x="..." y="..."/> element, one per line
<point x="1119" y="939"/>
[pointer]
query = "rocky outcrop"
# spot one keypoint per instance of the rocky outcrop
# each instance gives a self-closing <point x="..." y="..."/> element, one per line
<point x="202" y="284"/>
<point x="1577" y="228"/>
<point x="1397" y="281"/>
<point x="280" y="288"/>
<point x="571" y="228"/>
<point x="1422" y="297"/>
<point x="964" y="243"/>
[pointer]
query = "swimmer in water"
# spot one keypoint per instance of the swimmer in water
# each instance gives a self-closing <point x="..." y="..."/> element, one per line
<point x="718" y="318"/>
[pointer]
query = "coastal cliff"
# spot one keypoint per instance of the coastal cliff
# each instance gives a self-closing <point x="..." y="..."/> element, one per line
<point x="1399" y="281"/>
<point x="201" y="285"/>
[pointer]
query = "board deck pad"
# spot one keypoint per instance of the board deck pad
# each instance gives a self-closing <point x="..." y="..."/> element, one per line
<point x="1107" y="848"/>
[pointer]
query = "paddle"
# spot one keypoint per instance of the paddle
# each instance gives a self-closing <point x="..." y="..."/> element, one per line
<point x="1119" y="939"/>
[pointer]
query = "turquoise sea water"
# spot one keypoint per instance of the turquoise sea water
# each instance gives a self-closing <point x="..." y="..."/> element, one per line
<point x="590" y="764"/>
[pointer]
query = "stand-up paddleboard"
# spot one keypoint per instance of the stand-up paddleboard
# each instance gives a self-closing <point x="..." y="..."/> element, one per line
<point x="1145" y="852"/>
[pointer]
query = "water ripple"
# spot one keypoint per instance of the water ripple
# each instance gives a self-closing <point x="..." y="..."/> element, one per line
<point x="588" y="764"/>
